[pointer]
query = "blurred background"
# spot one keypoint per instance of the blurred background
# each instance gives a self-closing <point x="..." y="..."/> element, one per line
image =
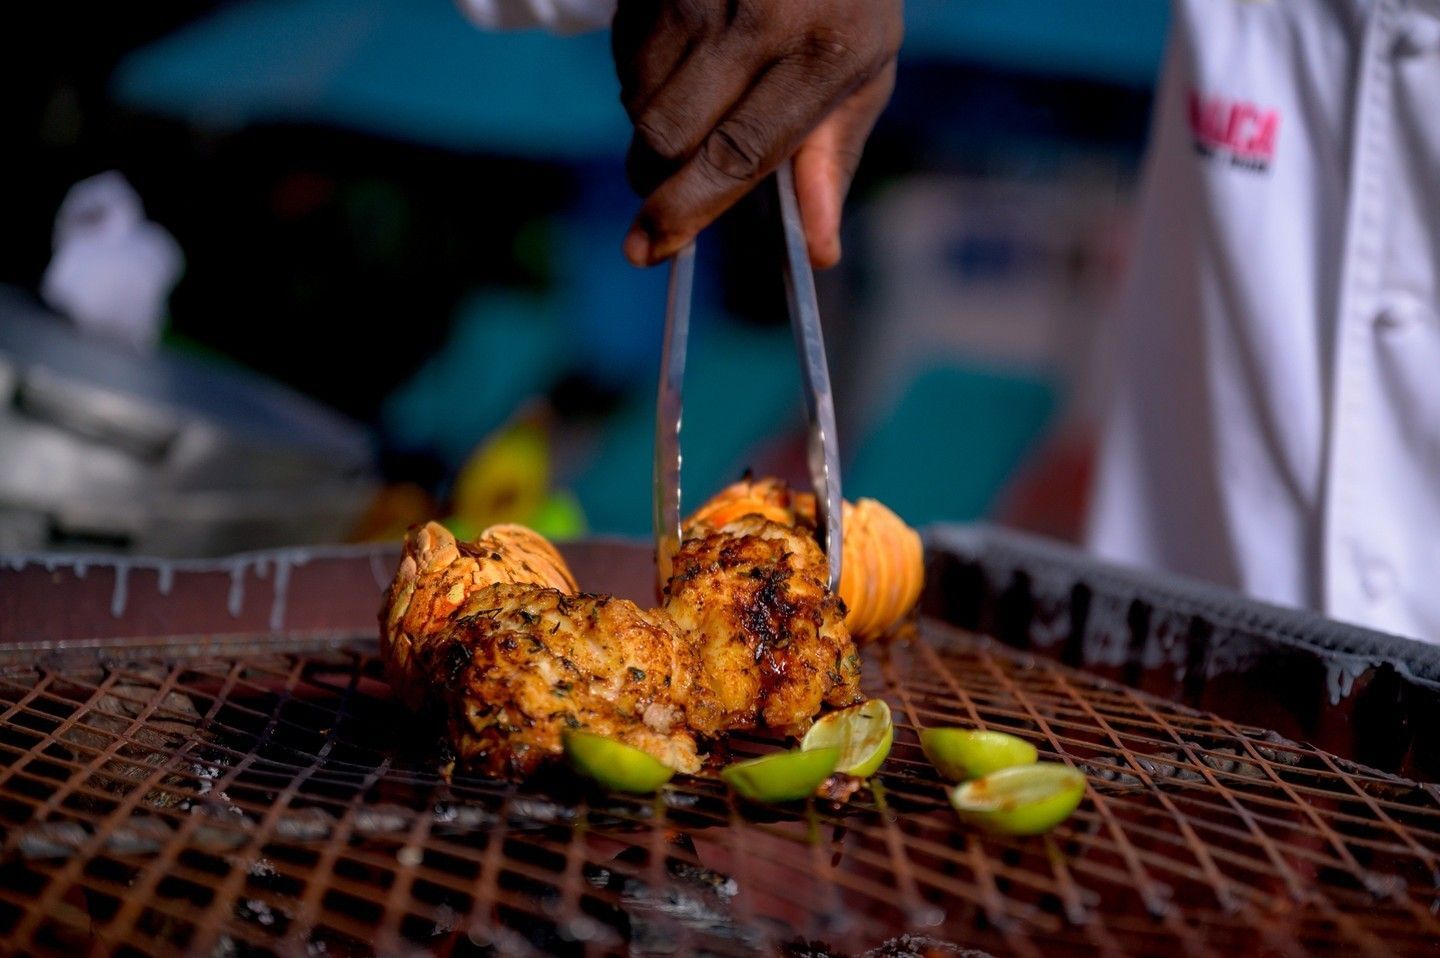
<point x="286" y="271"/>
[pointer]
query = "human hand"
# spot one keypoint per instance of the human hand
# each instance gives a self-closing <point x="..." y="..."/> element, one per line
<point x="723" y="91"/>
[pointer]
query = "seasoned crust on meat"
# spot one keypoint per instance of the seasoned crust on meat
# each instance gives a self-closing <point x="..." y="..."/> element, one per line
<point x="491" y="634"/>
<point x="522" y="663"/>
<point x="884" y="559"/>
<point x="437" y="573"/>
<point x="752" y="598"/>
<point x="479" y="630"/>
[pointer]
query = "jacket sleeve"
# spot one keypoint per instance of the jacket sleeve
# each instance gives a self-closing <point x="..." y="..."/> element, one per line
<point x="559" y="16"/>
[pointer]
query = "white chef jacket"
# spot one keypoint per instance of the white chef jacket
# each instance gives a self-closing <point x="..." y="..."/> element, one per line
<point x="1274" y="424"/>
<point x="1275" y="421"/>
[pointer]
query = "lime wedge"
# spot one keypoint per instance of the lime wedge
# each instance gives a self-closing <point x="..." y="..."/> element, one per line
<point x="964" y="753"/>
<point x="863" y="733"/>
<point x="782" y="777"/>
<point x="614" y="764"/>
<point x="1024" y="800"/>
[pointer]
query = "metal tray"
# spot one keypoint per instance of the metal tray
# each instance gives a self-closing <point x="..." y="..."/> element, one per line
<point x="203" y="758"/>
<point x="1361" y="694"/>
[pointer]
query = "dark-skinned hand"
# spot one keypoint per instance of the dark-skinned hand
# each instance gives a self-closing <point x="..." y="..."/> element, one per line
<point x="723" y="91"/>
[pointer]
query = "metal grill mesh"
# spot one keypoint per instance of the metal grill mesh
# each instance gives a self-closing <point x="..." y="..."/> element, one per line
<point x="278" y="801"/>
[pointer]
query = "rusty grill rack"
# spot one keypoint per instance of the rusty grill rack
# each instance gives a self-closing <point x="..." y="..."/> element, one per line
<point x="267" y="796"/>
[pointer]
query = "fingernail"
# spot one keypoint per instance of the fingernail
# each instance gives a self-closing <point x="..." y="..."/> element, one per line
<point x="825" y="255"/>
<point x="637" y="247"/>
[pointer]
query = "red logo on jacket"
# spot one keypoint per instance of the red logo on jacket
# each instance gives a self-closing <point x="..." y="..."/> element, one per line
<point x="1241" y="131"/>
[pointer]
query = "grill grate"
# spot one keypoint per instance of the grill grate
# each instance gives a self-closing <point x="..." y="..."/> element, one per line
<point x="240" y="800"/>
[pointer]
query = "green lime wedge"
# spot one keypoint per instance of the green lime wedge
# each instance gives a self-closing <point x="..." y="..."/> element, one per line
<point x="1024" y="800"/>
<point x="783" y="776"/>
<point x="863" y="733"/>
<point x="614" y="764"/>
<point x="964" y="753"/>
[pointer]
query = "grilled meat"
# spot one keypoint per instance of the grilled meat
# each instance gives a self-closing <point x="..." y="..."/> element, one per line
<point x="493" y="634"/>
<point x="884" y="564"/>
<point x="521" y="663"/>
<point x="512" y="660"/>
<point x="437" y="573"/>
<point x="771" y="638"/>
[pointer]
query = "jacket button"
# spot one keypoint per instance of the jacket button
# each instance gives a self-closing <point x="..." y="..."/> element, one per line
<point x="1377" y="579"/>
<point x="1403" y="310"/>
<point x="1420" y="36"/>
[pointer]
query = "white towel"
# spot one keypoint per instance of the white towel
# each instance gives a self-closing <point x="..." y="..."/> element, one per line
<point x="113" y="270"/>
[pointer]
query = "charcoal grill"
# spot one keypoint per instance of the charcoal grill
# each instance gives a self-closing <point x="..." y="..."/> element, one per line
<point x="204" y="758"/>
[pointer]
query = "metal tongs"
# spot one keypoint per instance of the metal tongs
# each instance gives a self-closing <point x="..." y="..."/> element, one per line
<point x="823" y="447"/>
